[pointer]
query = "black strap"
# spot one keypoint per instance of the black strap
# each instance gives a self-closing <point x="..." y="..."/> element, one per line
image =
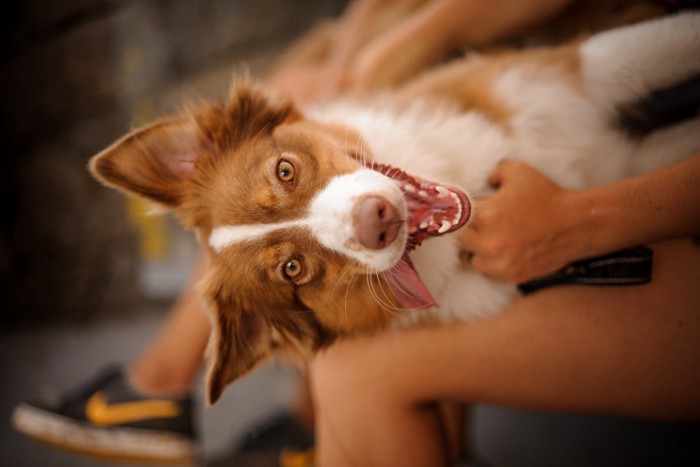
<point x="626" y="267"/>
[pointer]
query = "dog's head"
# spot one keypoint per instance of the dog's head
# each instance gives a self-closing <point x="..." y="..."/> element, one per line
<point x="309" y="238"/>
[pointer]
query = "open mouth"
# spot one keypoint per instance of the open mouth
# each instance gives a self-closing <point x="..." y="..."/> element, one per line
<point x="433" y="209"/>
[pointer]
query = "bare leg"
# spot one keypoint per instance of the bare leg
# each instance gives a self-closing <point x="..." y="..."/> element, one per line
<point x="170" y="363"/>
<point x="302" y="406"/>
<point x="630" y="351"/>
<point x="452" y="416"/>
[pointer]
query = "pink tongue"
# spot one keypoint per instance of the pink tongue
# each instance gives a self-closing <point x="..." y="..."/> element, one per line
<point x="407" y="287"/>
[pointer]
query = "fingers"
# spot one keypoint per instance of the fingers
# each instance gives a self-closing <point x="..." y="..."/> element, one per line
<point x="496" y="177"/>
<point x="509" y="236"/>
<point x="506" y="170"/>
<point x="472" y="253"/>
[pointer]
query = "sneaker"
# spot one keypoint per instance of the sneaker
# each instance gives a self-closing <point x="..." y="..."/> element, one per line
<point x="107" y="418"/>
<point x="280" y="441"/>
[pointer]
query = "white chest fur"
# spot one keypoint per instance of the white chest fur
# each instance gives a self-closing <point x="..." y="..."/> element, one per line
<point x="566" y="132"/>
<point x="463" y="148"/>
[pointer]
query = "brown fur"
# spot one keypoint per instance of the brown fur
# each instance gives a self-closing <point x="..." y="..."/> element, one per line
<point x="469" y="83"/>
<point x="217" y="166"/>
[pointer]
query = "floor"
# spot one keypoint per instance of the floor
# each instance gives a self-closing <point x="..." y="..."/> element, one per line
<point x="49" y="360"/>
<point x="45" y="362"/>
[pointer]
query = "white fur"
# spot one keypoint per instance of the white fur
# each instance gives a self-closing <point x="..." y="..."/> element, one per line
<point x="562" y="130"/>
<point x="225" y="236"/>
<point x="461" y="149"/>
<point x="625" y="63"/>
<point x="330" y="220"/>
<point x="334" y="227"/>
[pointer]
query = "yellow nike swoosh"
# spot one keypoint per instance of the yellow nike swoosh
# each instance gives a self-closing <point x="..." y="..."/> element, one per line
<point x="100" y="412"/>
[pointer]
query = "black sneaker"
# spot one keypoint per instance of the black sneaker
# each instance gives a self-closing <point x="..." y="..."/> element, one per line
<point x="281" y="441"/>
<point x="107" y="418"/>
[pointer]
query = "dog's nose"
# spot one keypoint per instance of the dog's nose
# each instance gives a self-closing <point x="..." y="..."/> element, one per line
<point x="376" y="222"/>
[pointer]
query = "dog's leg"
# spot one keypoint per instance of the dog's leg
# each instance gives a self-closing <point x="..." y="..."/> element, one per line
<point x="626" y="64"/>
<point x="646" y="74"/>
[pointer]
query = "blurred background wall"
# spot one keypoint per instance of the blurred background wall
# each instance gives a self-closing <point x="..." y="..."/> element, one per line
<point x="77" y="74"/>
<point x="74" y="76"/>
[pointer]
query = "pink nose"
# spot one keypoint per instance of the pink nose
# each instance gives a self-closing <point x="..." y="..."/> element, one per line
<point x="376" y="222"/>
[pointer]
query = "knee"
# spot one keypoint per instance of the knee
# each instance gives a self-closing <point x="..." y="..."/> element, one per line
<point x="332" y="375"/>
<point x="346" y="372"/>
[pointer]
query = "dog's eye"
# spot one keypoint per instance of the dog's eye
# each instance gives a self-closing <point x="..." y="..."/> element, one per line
<point x="286" y="171"/>
<point x="292" y="268"/>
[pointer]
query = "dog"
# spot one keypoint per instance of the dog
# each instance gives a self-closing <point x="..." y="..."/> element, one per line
<point x="343" y="218"/>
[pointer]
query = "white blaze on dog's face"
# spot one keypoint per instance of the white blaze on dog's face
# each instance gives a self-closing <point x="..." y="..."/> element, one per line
<point x="308" y="241"/>
<point x="336" y="217"/>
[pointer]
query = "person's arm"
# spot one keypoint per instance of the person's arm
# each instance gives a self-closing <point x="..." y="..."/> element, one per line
<point x="379" y="44"/>
<point x="438" y="28"/>
<point x="531" y="227"/>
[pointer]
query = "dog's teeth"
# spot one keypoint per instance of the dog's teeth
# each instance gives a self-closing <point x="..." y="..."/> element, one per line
<point x="458" y="202"/>
<point x="423" y="193"/>
<point x="458" y="216"/>
<point x="409" y="188"/>
<point x="423" y="225"/>
<point x="442" y="191"/>
<point x="446" y="225"/>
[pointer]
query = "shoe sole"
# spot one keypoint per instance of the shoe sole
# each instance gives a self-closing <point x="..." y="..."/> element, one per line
<point x="118" y="443"/>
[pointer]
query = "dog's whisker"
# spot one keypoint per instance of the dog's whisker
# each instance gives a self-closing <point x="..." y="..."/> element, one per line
<point x="359" y="152"/>
<point x="346" y="148"/>
<point x="373" y="293"/>
<point x="393" y="309"/>
<point x="351" y="283"/>
<point x="262" y="131"/>
<point x="385" y="302"/>
<point x="340" y="277"/>
<point x="362" y="150"/>
<point x="348" y="287"/>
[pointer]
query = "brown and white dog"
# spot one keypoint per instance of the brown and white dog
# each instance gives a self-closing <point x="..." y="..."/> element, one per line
<point x="326" y="221"/>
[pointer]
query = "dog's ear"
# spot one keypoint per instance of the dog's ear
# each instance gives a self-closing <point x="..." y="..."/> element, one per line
<point x="153" y="162"/>
<point x="239" y="339"/>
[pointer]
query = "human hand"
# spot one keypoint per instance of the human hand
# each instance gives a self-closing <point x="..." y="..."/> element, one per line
<point x="380" y="44"/>
<point x="528" y="228"/>
<point x="361" y="52"/>
<point x="422" y="38"/>
<point x="429" y="34"/>
<point x="304" y="84"/>
<point x="393" y="59"/>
